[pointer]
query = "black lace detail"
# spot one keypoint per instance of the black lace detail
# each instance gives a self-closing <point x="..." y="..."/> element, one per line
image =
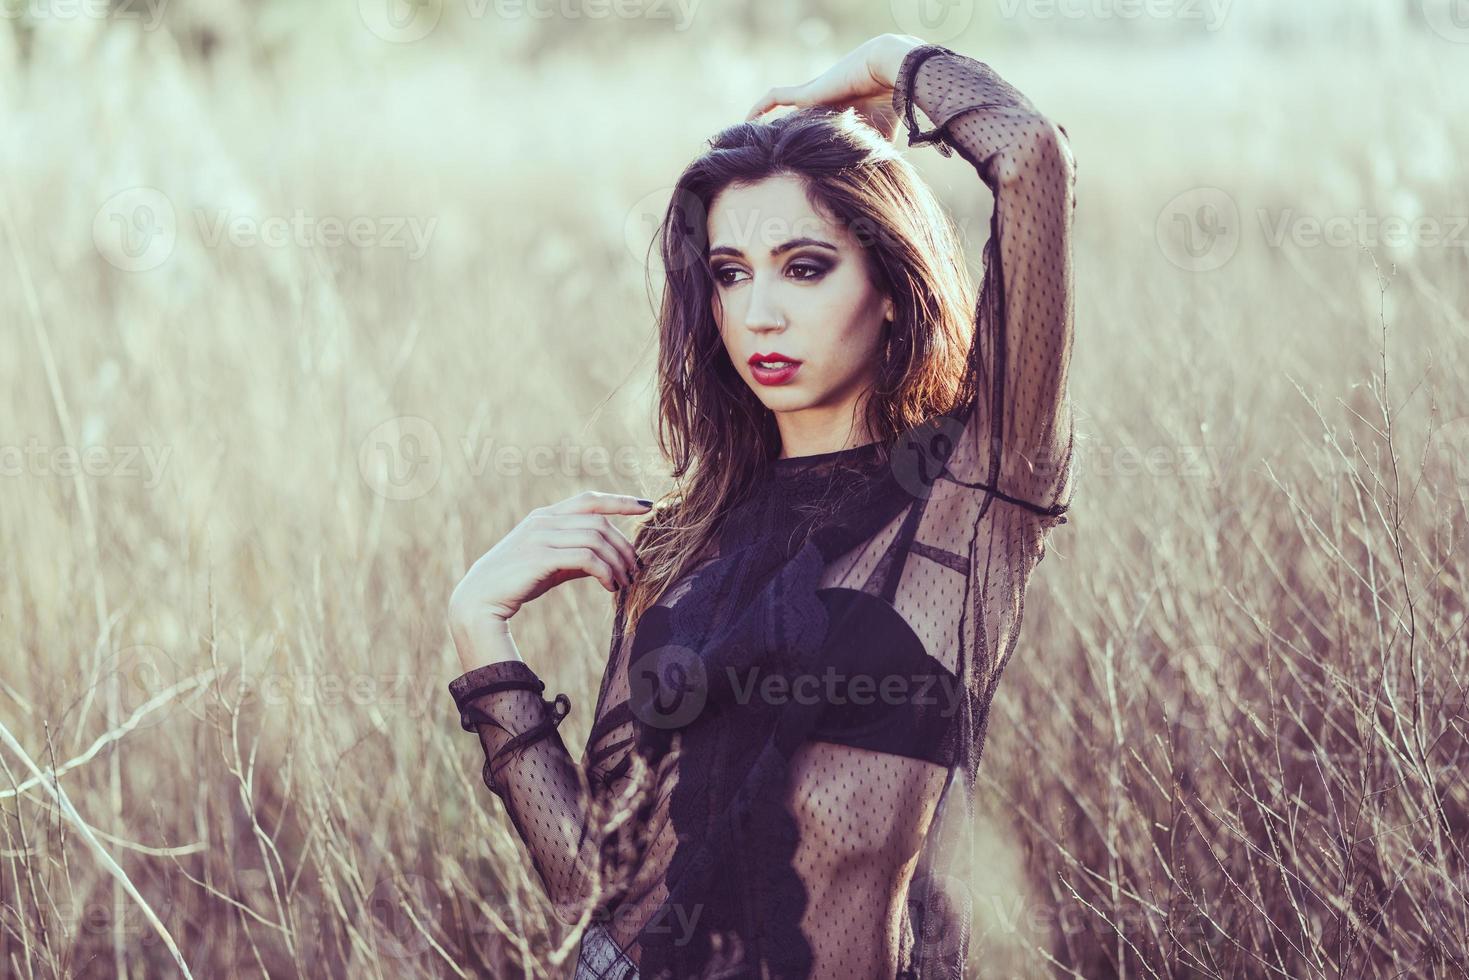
<point x="920" y="526"/>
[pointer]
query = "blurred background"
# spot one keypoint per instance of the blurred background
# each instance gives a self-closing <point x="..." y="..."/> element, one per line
<point x="306" y="304"/>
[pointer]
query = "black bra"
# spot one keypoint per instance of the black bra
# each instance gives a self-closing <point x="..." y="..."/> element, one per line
<point x="879" y="688"/>
<point x="889" y="694"/>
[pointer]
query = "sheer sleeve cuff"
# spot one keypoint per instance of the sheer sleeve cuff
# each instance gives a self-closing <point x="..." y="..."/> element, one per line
<point x="954" y="84"/>
<point x="505" y="696"/>
<point x="468" y="689"/>
<point x="903" y="97"/>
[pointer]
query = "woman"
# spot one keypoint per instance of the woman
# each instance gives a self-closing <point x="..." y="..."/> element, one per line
<point x="809" y="633"/>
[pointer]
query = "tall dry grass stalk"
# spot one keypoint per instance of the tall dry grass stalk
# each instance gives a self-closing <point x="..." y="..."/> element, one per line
<point x="238" y="485"/>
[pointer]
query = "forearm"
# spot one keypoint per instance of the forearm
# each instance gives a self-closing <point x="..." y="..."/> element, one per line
<point x="527" y="765"/>
<point x="984" y="117"/>
<point x="482" y="639"/>
<point x="1026" y="308"/>
<point x="888" y="53"/>
<point x="548" y="799"/>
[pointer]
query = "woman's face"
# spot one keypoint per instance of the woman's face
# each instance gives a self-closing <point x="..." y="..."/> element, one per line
<point x="790" y="283"/>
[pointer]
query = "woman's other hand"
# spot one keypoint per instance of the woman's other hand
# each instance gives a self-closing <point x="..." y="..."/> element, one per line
<point x="573" y="538"/>
<point x="862" y="79"/>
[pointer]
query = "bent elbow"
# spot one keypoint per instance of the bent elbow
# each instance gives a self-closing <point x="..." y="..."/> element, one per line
<point x="572" y="902"/>
<point x="1042" y="152"/>
<point x="569" y="913"/>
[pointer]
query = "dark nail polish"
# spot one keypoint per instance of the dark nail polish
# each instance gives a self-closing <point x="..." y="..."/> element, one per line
<point x="645" y="503"/>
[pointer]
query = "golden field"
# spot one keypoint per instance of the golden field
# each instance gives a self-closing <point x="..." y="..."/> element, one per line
<point x="302" y="312"/>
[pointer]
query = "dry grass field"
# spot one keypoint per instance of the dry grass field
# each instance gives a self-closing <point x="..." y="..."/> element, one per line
<point x="304" y="306"/>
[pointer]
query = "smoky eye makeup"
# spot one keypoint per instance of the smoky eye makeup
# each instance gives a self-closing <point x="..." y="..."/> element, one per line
<point x="801" y="268"/>
<point x="810" y="267"/>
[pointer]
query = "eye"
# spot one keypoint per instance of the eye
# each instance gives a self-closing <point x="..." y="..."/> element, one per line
<point x="719" y="274"/>
<point x="811" y="270"/>
<point x="802" y="270"/>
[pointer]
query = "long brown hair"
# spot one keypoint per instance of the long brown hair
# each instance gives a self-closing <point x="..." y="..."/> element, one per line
<point x="712" y="428"/>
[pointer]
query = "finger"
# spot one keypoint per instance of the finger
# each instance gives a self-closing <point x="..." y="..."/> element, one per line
<point x="597" y="502"/>
<point x="761" y="106"/>
<point x="604" y="550"/>
<point x="780" y="95"/>
<point x="574" y="538"/>
<point x="587" y="560"/>
<point x="600" y="525"/>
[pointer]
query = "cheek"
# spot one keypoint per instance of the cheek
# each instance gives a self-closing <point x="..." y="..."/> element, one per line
<point x="849" y="300"/>
<point x="719" y="317"/>
<point x="855" y="328"/>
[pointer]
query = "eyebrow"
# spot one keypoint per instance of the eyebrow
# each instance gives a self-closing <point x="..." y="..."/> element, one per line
<point x="777" y="250"/>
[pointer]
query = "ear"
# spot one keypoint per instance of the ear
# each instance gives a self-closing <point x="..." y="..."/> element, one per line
<point x="889" y="309"/>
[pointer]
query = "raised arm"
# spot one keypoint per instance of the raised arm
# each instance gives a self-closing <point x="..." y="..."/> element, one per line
<point x="1016" y="412"/>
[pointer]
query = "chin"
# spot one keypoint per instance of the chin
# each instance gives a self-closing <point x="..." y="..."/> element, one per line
<point x="782" y="399"/>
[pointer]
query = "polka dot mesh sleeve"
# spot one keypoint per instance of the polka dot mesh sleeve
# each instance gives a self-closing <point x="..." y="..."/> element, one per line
<point x="1007" y="447"/>
<point x="829" y="838"/>
<point x="553" y="802"/>
<point x="1019" y="425"/>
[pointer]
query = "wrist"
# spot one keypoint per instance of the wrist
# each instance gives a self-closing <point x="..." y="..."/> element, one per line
<point x="482" y="639"/>
<point x="889" y="54"/>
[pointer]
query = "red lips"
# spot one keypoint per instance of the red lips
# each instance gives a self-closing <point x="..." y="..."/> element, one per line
<point x="773" y="376"/>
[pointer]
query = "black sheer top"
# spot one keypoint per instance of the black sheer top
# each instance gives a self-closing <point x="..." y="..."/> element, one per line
<point x="780" y="775"/>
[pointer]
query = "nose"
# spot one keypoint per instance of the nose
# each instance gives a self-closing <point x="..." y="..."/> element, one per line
<point x="762" y="316"/>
